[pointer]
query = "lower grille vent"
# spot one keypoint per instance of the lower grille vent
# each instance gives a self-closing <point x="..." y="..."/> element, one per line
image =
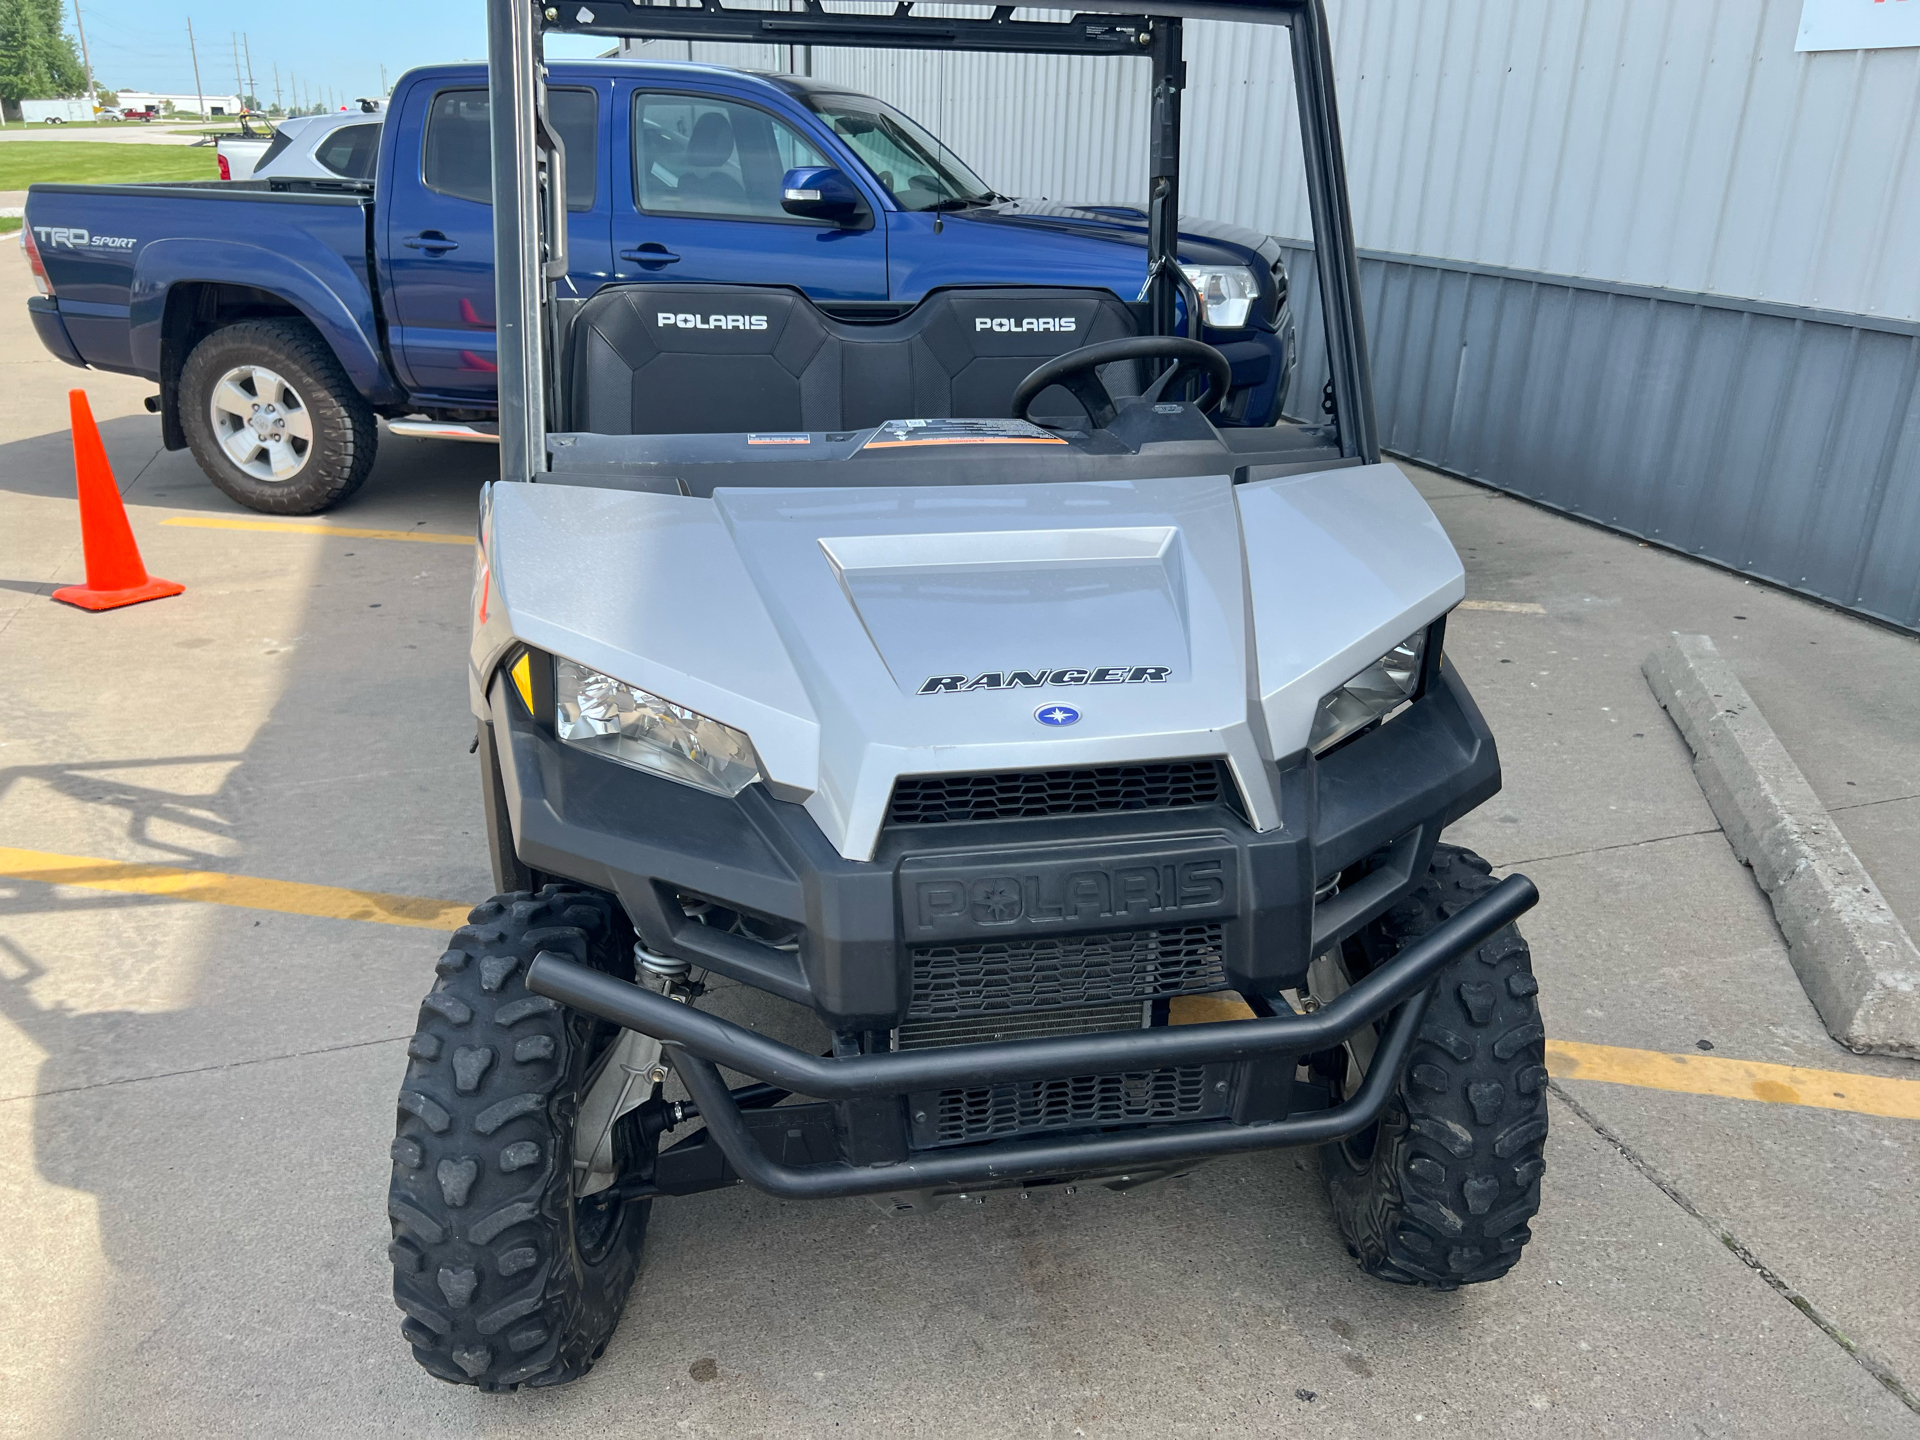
<point x="1037" y="1025"/>
<point x="1061" y="970"/>
<point x="961" y="1116"/>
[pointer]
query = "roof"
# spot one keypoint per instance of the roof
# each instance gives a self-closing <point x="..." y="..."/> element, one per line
<point x="1100" y="27"/>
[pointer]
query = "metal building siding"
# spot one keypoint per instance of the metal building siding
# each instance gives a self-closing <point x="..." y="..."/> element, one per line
<point x="1781" y="443"/>
<point x="1679" y="143"/>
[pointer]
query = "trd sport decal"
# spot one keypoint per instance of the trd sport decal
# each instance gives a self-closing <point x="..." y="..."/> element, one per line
<point x="1028" y="679"/>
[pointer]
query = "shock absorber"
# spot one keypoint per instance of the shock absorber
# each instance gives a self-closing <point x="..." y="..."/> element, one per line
<point x="663" y="973"/>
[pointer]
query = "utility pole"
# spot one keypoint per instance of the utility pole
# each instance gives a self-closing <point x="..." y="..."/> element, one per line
<point x="197" y="87"/>
<point x="277" y="103"/>
<point x="253" y="87"/>
<point x="85" y="58"/>
<point x="383" y="80"/>
<point x="239" y="85"/>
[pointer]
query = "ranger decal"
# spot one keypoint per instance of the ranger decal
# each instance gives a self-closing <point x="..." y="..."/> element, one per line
<point x="1029" y="679"/>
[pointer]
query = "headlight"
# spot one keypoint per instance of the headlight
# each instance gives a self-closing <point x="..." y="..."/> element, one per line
<point x="625" y="723"/>
<point x="1371" y="695"/>
<point x="1227" y="293"/>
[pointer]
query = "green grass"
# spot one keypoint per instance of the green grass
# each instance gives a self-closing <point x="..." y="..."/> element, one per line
<point x="82" y="162"/>
<point x="9" y="224"/>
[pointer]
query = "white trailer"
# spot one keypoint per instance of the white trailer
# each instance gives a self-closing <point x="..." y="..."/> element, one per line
<point x="56" y="112"/>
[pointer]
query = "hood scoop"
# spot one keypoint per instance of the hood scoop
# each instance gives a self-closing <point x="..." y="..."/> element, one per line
<point x="986" y="603"/>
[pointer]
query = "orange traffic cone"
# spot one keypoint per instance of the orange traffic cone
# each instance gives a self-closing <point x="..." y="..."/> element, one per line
<point x="115" y="576"/>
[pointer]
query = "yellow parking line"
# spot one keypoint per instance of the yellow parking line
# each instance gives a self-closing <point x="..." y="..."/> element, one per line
<point x="1735" y="1079"/>
<point x="246" y="891"/>
<point x="1566" y="1059"/>
<point x="199" y="522"/>
<point x="1505" y="607"/>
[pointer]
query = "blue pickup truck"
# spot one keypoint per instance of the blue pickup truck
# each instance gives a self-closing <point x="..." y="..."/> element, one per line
<point x="279" y="318"/>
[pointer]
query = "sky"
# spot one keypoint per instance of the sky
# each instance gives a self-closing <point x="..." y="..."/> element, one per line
<point x="339" y="45"/>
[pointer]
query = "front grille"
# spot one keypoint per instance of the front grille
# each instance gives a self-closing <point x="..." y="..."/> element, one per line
<point x="1036" y="1025"/>
<point x="1060" y="970"/>
<point x="1089" y="790"/>
<point x="957" y="1117"/>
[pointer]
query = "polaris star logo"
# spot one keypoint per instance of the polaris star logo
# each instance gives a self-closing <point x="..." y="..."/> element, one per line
<point x="668" y="320"/>
<point x="1056" y="715"/>
<point x="1031" y="679"/>
<point x="1007" y="324"/>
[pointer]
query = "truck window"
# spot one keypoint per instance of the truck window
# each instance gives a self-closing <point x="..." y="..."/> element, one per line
<point x="350" y="151"/>
<point x="917" y="169"/>
<point x="696" y="156"/>
<point x="458" y="158"/>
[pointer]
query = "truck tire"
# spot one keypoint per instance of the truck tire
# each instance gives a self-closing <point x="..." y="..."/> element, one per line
<point x="505" y="1277"/>
<point x="273" y="419"/>
<point x="1440" y="1192"/>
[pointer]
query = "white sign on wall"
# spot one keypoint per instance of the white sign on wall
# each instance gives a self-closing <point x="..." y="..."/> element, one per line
<point x="1858" y="24"/>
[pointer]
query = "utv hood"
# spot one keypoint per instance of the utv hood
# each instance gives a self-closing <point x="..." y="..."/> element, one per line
<point x="862" y="634"/>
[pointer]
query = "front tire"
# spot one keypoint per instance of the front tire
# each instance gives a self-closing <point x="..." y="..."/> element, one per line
<point x="1440" y="1191"/>
<point x="271" y="416"/>
<point x="507" y="1279"/>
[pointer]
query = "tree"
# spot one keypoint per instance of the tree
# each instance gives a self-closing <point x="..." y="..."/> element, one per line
<point x="107" y="99"/>
<point x="37" y="57"/>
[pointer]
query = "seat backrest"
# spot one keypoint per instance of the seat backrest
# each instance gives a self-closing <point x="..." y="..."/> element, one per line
<point x="655" y="359"/>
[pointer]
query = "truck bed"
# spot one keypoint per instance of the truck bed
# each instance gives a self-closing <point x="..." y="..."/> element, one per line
<point x="115" y="253"/>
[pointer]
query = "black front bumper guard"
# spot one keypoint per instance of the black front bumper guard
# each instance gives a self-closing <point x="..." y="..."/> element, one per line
<point x="703" y="1042"/>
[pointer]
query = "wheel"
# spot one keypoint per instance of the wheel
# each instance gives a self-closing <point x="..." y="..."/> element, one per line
<point x="506" y="1276"/>
<point x="273" y="419"/>
<point x="1439" y="1192"/>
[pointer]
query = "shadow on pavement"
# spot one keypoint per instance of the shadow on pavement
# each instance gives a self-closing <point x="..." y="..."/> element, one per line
<point x="406" y="470"/>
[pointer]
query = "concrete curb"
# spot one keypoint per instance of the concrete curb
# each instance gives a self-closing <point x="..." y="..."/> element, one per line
<point x="1854" y="958"/>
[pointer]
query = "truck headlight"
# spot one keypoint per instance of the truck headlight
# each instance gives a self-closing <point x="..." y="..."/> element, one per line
<point x="627" y="724"/>
<point x="1227" y="293"/>
<point x="1373" y="694"/>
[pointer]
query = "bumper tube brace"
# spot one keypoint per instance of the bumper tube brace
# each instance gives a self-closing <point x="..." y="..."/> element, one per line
<point x="704" y="1041"/>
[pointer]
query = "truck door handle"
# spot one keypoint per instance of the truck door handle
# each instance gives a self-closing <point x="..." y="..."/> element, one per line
<point x="651" y="253"/>
<point x="431" y="241"/>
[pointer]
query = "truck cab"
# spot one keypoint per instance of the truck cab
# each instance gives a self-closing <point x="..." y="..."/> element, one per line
<point x="674" y="173"/>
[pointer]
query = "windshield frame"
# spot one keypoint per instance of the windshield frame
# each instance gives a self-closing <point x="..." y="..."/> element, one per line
<point x="961" y="185"/>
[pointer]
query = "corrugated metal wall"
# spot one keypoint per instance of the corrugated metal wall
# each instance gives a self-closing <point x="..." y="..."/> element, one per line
<point x="1636" y="259"/>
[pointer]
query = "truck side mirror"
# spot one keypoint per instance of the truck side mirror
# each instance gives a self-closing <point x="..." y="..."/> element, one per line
<point x="821" y="192"/>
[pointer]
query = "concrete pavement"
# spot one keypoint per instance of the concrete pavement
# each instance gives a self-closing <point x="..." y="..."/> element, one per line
<point x="195" y="1100"/>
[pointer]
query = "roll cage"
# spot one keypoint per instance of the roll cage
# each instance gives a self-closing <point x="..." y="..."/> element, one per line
<point x="529" y="160"/>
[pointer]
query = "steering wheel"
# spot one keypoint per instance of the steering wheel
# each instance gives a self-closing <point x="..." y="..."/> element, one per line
<point x="1076" y="371"/>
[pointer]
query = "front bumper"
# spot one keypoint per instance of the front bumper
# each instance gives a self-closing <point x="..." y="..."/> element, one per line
<point x="834" y="1163"/>
<point x="1365" y="817"/>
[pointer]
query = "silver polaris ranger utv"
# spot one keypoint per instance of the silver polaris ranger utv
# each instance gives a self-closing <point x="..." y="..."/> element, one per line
<point x="1073" y="769"/>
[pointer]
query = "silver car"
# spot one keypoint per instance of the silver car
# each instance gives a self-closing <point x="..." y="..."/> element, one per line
<point x="340" y="146"/>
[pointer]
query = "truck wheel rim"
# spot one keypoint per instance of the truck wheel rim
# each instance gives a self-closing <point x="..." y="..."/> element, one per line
<point x="262" y="423"/>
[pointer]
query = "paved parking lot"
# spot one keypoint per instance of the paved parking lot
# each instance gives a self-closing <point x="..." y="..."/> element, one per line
<point x="196" y="1097"/>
